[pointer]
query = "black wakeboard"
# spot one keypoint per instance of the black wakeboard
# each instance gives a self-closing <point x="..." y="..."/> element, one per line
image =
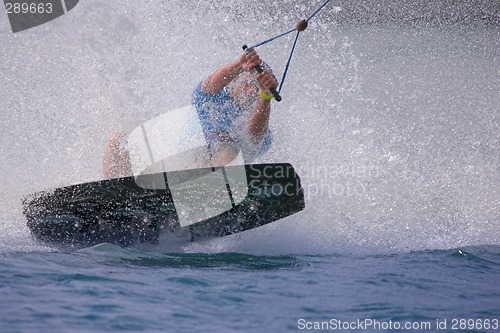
<point x="120" y="211"/>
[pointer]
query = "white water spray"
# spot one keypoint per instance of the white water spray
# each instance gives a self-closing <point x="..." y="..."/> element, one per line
<point x="393" y="128"/>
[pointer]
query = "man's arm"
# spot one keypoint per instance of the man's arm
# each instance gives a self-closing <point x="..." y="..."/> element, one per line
<point x="227" y="73"/>
<point x="259" y="120"/>
<point x="221" y="78"/>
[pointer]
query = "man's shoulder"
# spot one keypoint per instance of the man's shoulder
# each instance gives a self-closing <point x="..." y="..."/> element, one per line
<point x="199" y="96"/>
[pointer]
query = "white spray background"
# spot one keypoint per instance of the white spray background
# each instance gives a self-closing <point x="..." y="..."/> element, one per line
<point x="392" y="127"/>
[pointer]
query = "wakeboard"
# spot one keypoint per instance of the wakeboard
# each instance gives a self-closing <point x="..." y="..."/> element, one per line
<point x="205" y="203"/>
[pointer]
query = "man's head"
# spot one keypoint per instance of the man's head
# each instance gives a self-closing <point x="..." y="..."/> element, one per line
<point x="244" y="88"/>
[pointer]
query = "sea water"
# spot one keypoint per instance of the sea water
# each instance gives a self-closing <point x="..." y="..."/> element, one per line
<point x="389" y="115"/>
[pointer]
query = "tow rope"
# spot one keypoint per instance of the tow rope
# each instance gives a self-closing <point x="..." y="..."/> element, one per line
<point x="299" y="27"/>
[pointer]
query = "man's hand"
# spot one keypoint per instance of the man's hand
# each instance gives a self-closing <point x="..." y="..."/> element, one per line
<point x="249" y="59"/>
<point x="267" y="81"/>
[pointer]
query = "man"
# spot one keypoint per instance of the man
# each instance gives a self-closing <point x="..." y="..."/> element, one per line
<point x="233" y="106"/>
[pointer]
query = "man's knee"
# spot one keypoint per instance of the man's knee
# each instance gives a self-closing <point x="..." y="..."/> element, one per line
<point x="224" y="155"/>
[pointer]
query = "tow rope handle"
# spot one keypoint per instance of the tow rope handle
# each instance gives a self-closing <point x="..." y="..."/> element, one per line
<point x="259" y="69"/>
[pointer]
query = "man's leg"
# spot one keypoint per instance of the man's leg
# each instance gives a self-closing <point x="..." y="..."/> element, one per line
<point x="116" y="163"/>
<point x="224" y="156"/>
<point x="223" y="150"/>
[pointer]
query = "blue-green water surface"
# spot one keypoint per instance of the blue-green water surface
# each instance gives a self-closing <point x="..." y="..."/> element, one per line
<point x="108" y="288"/>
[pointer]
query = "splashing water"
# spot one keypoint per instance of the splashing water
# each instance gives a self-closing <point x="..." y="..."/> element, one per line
<point x="392" y="126"/>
